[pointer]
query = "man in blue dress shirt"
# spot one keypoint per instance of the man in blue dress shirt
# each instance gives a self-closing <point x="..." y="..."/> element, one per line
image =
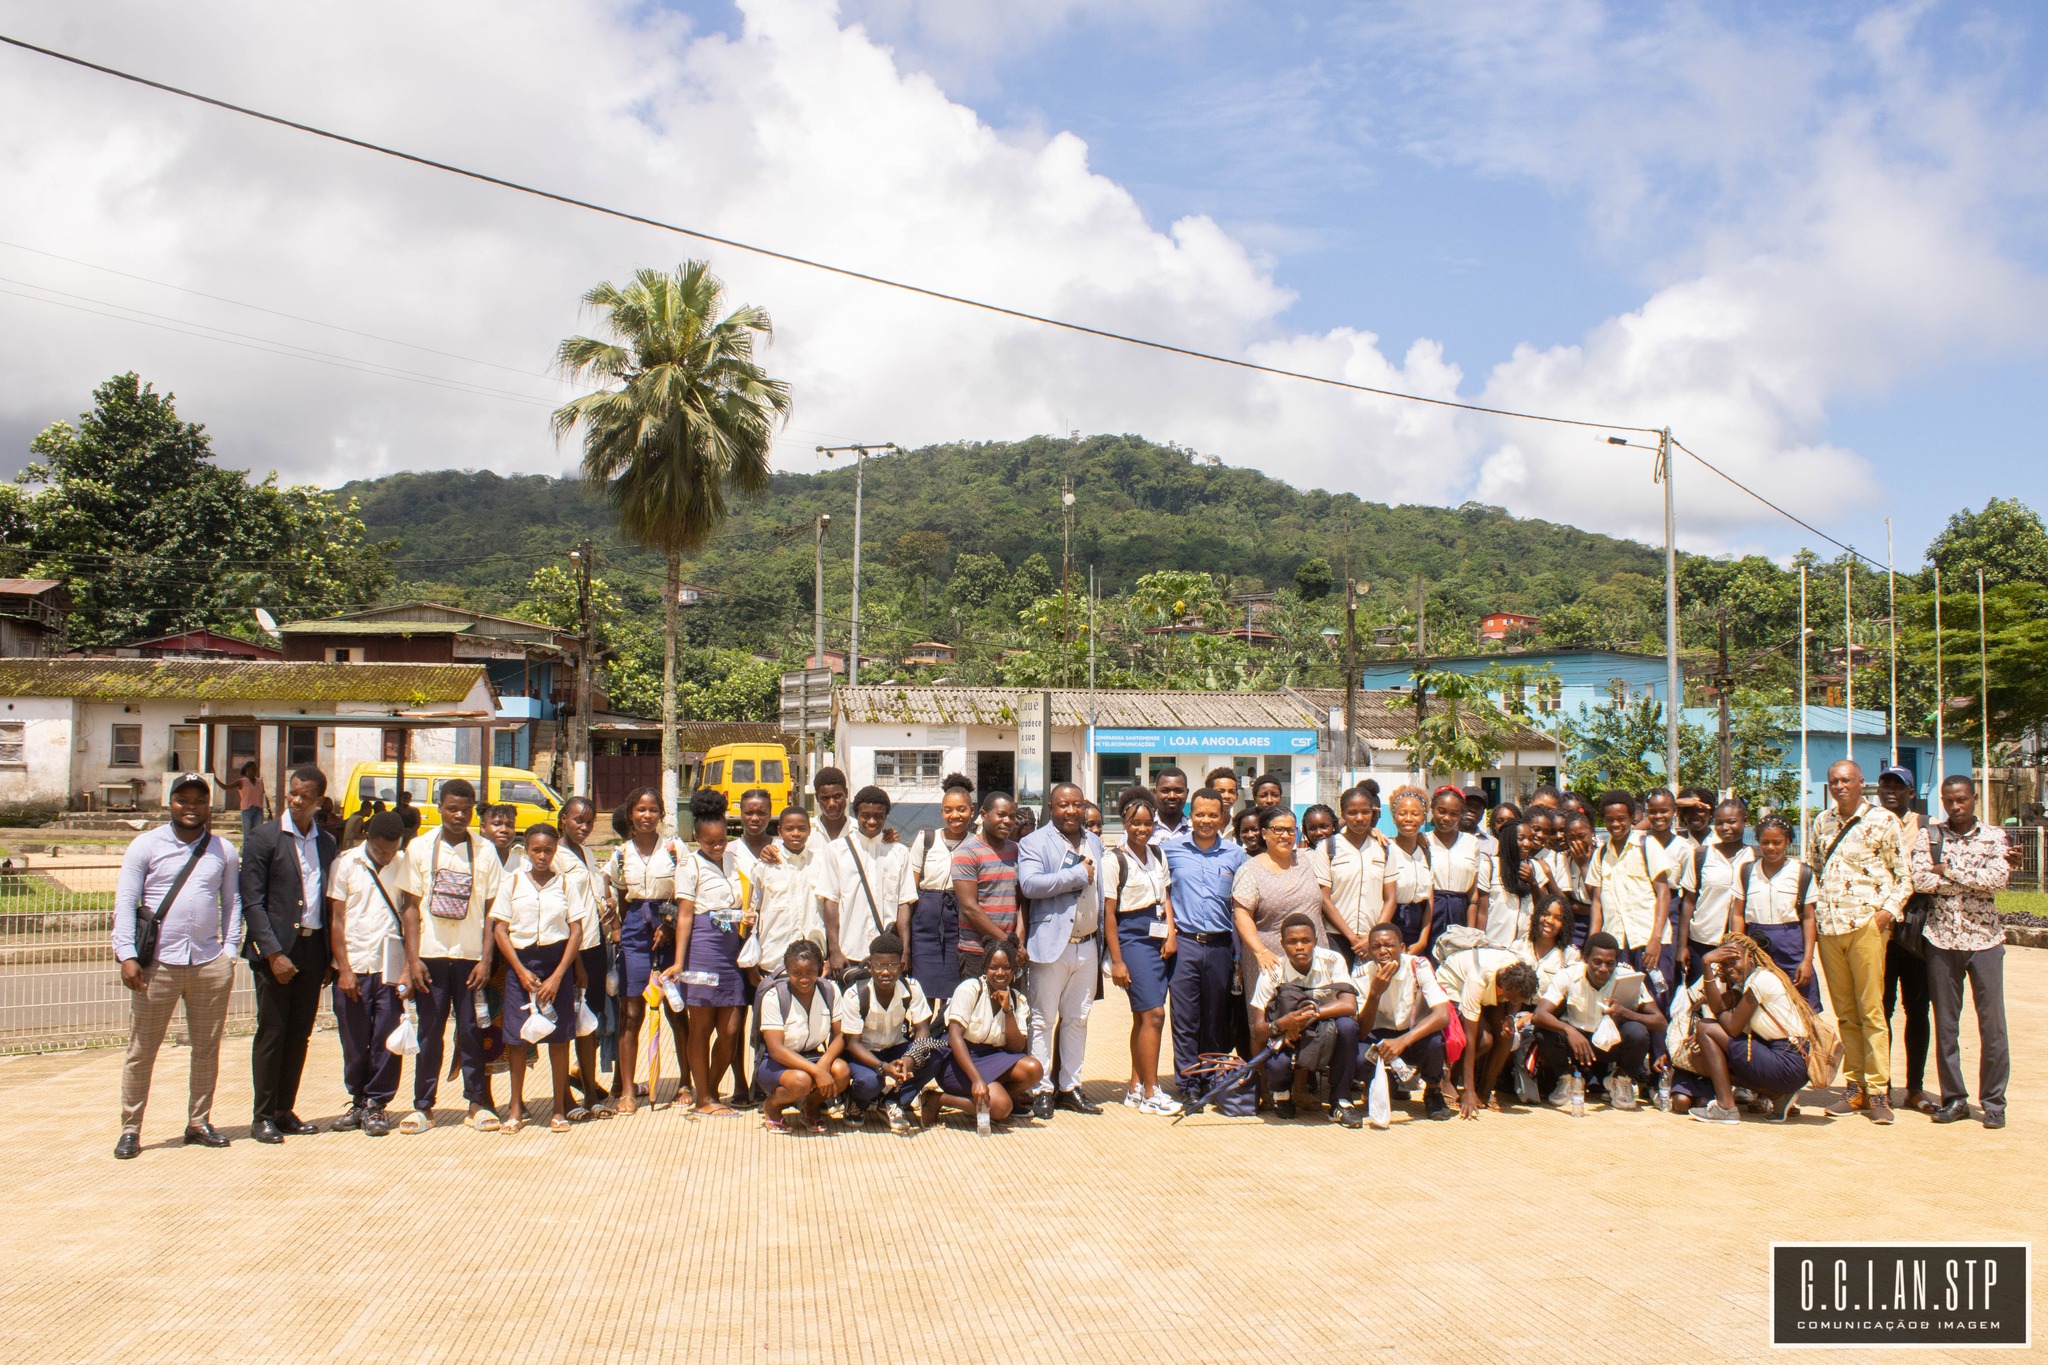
<point x="1204" y="864"/>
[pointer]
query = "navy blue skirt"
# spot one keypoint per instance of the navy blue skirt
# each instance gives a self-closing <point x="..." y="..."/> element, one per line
<point x="990" y="1061"/>
<point x="1408" y="918"/>
<point x="638" y="957"/>
<point x="1772" y="1066"/>
<point x="715" y="951"/>
<point x="1450" y="908"/>
<point x="1787" y="943"/>
<point x="541" y="959"/>
<point x="935" y="943"/>
<point x="1150" y="973"/>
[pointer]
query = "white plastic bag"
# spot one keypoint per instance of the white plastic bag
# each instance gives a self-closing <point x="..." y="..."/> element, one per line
<point x="538" y="1024"/>
<point x="586" y="1021"/>
<point x="1379" y="1105"/>
<point x="1607" y="1036"/>
<point x="405" y="1039"/>
<point x="750" y="952"/>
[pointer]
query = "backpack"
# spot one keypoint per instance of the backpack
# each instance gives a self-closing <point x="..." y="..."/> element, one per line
<point x="1749" y="885"/>
<point x="1456" y="939"/>
<point x="779" y="984"/>
<point x="1910" y="933"/>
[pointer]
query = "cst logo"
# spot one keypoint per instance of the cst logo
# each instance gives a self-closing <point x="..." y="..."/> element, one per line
<point x="1897" y="1294"/>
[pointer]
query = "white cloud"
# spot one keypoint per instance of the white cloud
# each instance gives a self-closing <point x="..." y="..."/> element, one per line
<point x="1831" y="265"/>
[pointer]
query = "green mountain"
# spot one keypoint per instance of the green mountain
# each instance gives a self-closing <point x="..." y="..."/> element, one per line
<point x="1139" y="508"/>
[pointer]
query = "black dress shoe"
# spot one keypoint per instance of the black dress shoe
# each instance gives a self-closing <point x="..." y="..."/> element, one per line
<point x="1041" y="1105"/>
<point x="129" y="1147"/>
<point x="291" y="1125"/>
<point x="1076" y="1102"/>
<point x="1954" y="1111"/>
<point x="206" y="1135"/>
<point x="376" y="1123"/>
<point x="1996" y="1120"/>
<point x="350" y="1121"/>
<point x="264" y="1130"/>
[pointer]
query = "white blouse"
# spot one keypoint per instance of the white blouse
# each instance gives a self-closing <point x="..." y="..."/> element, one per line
<point x="979" y="1023"/>
<point x="1135" y="884"/>
<point x="1355" y="877"/>
<point x="648" y="878"/>
<point x="1410" y="872"/>
<point x="533" y="915"/>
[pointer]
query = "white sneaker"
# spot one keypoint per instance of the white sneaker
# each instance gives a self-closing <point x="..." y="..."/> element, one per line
<point x="1621" y="1093"/>
<point x="1134" y="1098"/>
<point x="1159" y="1102"/>
<point x="1714" y="1113"/>
<point x="1561" y="1093"/>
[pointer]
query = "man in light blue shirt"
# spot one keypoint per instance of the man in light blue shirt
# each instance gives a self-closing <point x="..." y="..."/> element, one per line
<point x="1204" y="865"/>
<point x="191" y="962"/>
<point x="1060" y="894"/>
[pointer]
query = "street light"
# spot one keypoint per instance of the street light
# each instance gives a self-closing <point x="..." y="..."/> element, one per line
<point x="860" y="457"/>
<point x="819" y="526"/>
<point x="1674" y="689"/>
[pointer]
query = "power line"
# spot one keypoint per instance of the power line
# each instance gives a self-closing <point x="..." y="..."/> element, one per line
<point x="274" y="312"/>
<point x="789" y="258"/>
<point x="1731" y="479"/>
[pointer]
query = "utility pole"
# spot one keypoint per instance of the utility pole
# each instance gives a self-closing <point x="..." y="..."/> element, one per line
<point x="1066" y="572"/>
<point x="860" y="468"/>
<point x="1722" y="682"/>
<point x="1848" y="668"/>
<point x="1984" y="688"/>
<point x="821" y="524"/>
<point x="1674" y="689"/>
<point x="1891" y="589"/>
<point x="1802" y="708"/>
<point x="582" y="779"/>
<point x="1421" y="605"/>
<point x="1940" y="693"/>
<point x="1350" y="666"/>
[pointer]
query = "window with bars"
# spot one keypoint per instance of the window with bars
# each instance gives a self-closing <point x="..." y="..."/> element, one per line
<point x="127" y="746"/>
<point x="13" y="744"/>
<point x="909" y="767"/>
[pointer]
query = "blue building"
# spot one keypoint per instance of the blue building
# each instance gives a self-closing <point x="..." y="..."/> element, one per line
<point x="1868" y="743"/>
<point x="1590" y="677"/>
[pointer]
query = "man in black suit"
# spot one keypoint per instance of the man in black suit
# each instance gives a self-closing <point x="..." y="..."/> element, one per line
<point x="285" y="864"/>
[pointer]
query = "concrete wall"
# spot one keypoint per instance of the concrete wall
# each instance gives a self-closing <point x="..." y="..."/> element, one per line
<point x="40" y="788"/>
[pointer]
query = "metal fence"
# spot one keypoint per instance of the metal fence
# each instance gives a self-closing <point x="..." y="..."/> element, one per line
<point x="59" y="985"/>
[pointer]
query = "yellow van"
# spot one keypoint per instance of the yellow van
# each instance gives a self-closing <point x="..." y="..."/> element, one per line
<point x="738" y="768"/>
<point x="534" y="799"/>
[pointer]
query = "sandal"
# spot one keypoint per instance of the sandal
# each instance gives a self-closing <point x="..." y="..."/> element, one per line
<point x="484" y="1121"/>
<point x="414" y="1123"/>
<point x="512" y="1125"/>
<point x="560" y="1123"/>
<point x="774" y="1124"/>
<point x="604" y="1109"/>
<point x="577" y="1114"/>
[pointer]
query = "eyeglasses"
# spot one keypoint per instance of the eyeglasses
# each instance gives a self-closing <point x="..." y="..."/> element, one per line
<point x="1275" y="830"/>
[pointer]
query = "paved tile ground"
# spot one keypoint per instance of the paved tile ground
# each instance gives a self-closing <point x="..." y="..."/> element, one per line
<point x="1517" y="1237"/>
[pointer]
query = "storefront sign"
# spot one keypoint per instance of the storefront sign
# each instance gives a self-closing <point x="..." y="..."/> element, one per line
<point x="1032" y="708"/>
<point x="1112" y="741"/>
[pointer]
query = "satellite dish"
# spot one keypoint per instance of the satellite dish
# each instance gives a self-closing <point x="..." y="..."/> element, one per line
<point x="267" y="621"/>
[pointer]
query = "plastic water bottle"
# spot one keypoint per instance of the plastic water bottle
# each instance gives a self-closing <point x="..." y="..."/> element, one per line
<point x="1403" y="1074"/>
<point x="698" y="978"/>
<point x="483" y="1010"/>
<point x="1664" y="1093"/>
<point x="981" y="1119"/>
<point x="1578" y="1096"/>
<point x="673" y="993"/>
<point x="1657" y="979"/>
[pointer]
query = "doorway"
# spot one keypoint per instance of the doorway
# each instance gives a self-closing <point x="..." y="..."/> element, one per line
<point x="994" y="771"/>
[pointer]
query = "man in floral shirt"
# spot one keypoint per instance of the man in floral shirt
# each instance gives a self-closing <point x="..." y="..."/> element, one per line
<point x="1965" y="937"/>
<point x="1859" y="860"/>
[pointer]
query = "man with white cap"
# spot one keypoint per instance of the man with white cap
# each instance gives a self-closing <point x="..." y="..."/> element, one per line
<point x="177" y="913"/>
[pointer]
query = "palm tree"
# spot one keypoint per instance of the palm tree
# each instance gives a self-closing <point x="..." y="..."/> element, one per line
<point x="685" y="419"/>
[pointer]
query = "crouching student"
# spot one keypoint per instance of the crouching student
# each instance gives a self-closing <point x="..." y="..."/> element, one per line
<point x="364" y="928"/>
<point x="988" y="1033"/>
<point x="799" y="1063"/>
<point x="880" y="1019"/>
<point x="1489" y="986"/>
<point x="539" y="934"/>
<point x="1402" y="1012"/>
<point x="1570" y="1013"/>
<point x="1754" y="1033"/>
<point x="1307" y="1004"/>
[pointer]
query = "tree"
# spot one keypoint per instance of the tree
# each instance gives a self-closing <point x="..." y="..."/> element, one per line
<point x="1032" y="581"/>
<point x="978" y="579"/>
<point x="688" y="425"/>
<point x="1313" y="579"/>
<point x="918" y="554"/>
<point x="1623" y="746"/>
<point x="151" y="537"/>
<point x="1459" y="727"/>
<point x="2006" y="540"/>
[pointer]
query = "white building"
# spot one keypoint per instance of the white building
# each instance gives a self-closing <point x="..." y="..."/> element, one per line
<point x="906" y="739"/>
<point x="92" y="733"/>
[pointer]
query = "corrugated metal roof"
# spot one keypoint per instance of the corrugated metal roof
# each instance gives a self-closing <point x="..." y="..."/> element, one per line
<point x="237" y="680"/>
<point x="338" y="627"/>
<point x="1384" y="726"/>
<point x="27" y="587"/>
<point x="1134" y="709"/>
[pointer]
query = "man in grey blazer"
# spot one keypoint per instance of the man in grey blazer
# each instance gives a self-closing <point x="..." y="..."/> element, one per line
<point x="285" y="863"/>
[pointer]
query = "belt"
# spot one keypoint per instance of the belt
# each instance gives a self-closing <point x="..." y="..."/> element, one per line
<point x="304" y="932"/>
<point x="1222" y="940"/>
<point x="1081" y="938"/>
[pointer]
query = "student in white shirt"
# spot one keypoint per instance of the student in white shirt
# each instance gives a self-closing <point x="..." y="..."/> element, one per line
<point x="1351" y="864"/>
<point x="1402" y="1011"/>
<point x="800" y="1063"/>
<point x="1409" y="887"/>
<point x="1570" y="1013"/>
<point x="1306" y="1004"/>
<point x="366" y="933"/>
<point x="1710" y="885"/>
<point x="988" y="1031"/>
<point x="1460" y="866"/>
<point x="1548" y="946"/>
<point x="642" y="873"/>
<point x="1776" y="902"/>
<point x="934" y="940"/>
<point x="711" y="910"/>
<point x="881" y="1019"/>
<point x="861" y="884"/>
<point x="1137" y="894"/>
<point x="1630" y="881"/>
<point x="596" y="976"/>
<point x="1488" y="987"/>
<point x="785" y="898"/>
<point x="452" y="878"/>
<point x="1753" y="1032"/>
<point x="539" y="932"/>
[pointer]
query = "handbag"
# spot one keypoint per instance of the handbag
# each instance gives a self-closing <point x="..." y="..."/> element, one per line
<point x="148" y="924"/>
<point x="1910" y="933"/>
<point x="1681" y="1038"/>
<point x="448" y="892"/>
<point x="1454" y="1036"/>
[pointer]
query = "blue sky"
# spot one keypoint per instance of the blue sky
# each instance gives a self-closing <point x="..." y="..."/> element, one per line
<point x="1809" y="237"/>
